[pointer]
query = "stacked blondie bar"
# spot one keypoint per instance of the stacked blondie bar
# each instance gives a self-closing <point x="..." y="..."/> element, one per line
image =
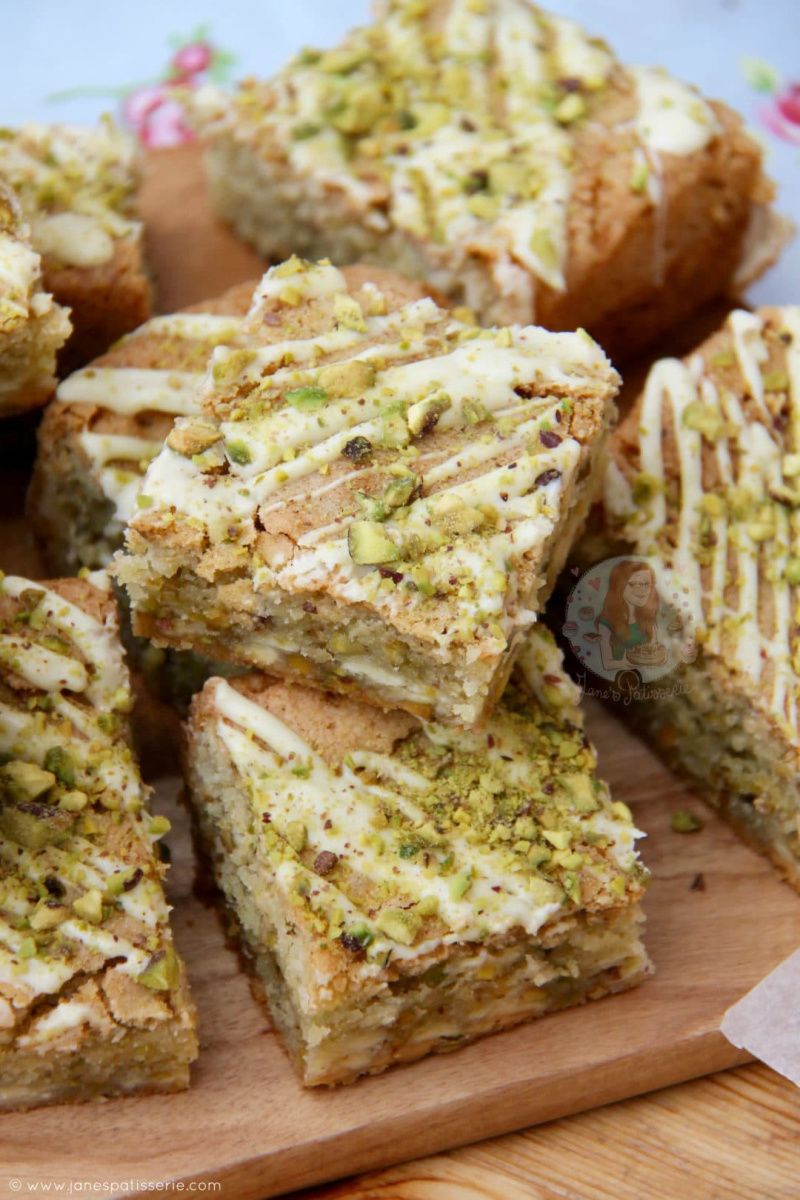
<point x="369" y="508"/>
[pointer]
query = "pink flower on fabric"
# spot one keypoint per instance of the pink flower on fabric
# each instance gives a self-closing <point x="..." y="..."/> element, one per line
<point x="782" y="114"/>
<point x="152" y="109"/>
<point x="155" y="117"/>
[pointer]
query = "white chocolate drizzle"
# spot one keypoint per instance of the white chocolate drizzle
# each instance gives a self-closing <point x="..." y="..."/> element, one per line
<point x="673" y="118"/>
<point x="118" y="461"/>
<point x="290" y="785"/>
<point x="457" y="128"/>
<point x="514" y="505"/>
<point x="734" y="546"/>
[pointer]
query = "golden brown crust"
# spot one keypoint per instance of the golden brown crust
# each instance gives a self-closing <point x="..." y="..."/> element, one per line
<point x="330" y="723"/>
<point x="106" y="301"/>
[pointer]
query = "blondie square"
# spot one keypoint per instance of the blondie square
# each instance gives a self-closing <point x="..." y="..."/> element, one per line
<point x="77" y="190"/>
<point x="377" y="498"/>
<point x="502" y="153"/>
<point x="704" y="481"/>
<point x="93" y="997"/>
<point x="110" y="419"/>
<point x="32" y="326"/>
<point x="403" y="887"/>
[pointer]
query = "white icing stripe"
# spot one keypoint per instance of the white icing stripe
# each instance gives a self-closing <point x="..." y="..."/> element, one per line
<point x="238" y="708"/>
<point x="751" y="558"/>
<point x="97" y="643"/>
<point x="481" y="162"/>
<point x="750" y="350"/>
<point x="42" y="668"/>
<point x="120" y="485"/>
<point x="73" y="238"/>
<point x="351" y="801"/>
<point x="198" y="327"/>
<point x="40" y="976"/>
<point x="70" y="1014"/>
<point x="673" y="118"/>
<point x="103" y="448"/>
<point x="130" y="390"/>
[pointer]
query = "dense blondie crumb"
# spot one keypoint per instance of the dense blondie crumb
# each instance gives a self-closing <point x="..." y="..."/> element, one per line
<point x="403" y="887"/>
<point x="704" y="478"/>
<point x="77" y="189"/>
<point x="93" y="997"/>
<point x="32" y="326"/>
<point x="504" y="154"/>
<point x="378" y="496"/>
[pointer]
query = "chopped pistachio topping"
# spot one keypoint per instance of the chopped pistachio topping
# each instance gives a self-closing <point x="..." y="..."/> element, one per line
<point x="684" y="821"/>
<point x="306" y="399"/>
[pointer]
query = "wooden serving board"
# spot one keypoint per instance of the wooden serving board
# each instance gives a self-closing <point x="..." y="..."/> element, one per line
<point x="718" y="920"/>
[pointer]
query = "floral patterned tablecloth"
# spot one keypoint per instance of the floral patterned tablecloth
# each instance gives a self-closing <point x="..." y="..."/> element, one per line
<point x="72" y="61"/>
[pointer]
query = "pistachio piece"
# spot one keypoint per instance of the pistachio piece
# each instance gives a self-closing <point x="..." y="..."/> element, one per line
<point x="24" y="781"/>
<point x="306" y="399"/>
<point x="571" y="109"/>
<point x="348" y="313"/>
<point x="558" y="838"/>
<point x="238" y="452"/>
<point x="424" y="417"/>
<point x="399" y="924"/>
<point x="581" y="790"/>
<point x="193" y="437"/>
<point x="422" y="580"/>
<point x="56" y="644"/>
<point x="713" y="504"/>
<point x="123" y="881"/>
<point x="59" y="761"/>
<point x="362" y="106"/>
<point x="349" y="378"/>
<point x="341" y="61"/>
<point x="401" y="491"/>
<point x="47" y="915"/>
<point x="792" y="571"/>
<point x="484" y="206"/>
<point x="358" y="449"/>
<point x="640" y="175"/>
<point x="544" y="248"/>
<point x="369" y="544"/>
<point x="454" y="515"/>
<point x="684" y="821"/>
<point x="162" y="973"/>
<point x="89" y="906"/>
<point x="229" y="364"/>
<point x="460" y="885"/>
<point x="373" y="508"/>
<point x="509" y="178"/>
<point x="73" y="801"/>
<point x="340" y="643"/>
<point x="296" y="835"/>
<point x="705" y="421"/>
<point x="776" y="381"/>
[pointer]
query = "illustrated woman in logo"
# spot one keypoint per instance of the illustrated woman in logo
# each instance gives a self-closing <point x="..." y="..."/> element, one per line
<point x="628" y="616"/>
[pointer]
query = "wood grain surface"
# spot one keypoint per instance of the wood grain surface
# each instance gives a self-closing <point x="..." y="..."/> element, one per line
<point x="247" y="1124"/>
